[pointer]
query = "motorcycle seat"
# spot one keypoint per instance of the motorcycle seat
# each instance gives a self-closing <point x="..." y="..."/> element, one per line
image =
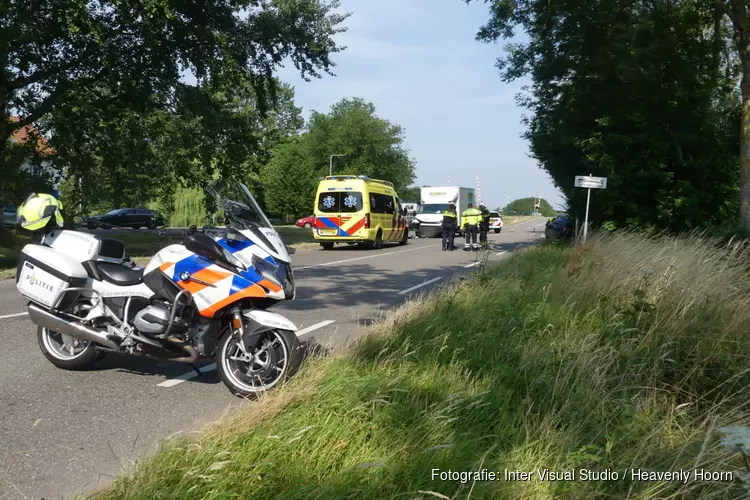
<point x="117" y="274"/>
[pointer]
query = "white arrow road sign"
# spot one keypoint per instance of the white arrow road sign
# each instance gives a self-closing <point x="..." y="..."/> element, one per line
<point x="588" y="182"/>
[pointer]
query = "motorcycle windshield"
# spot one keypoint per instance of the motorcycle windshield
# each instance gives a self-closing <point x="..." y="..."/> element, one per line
<point x="244" y="213"/>
<point x="238" y="204"/>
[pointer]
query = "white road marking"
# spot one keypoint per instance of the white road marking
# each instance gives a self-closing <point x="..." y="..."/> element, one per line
<point x="500" y="253"/>
<point x="314" y="327"/>
<point x="14" y="315"/>
<point x="209" y="368"/>
<point x="363" y="258"/>
<point x="471" y="265"/>
<point x="187" y="376"/>
<point x="415" y="287"/>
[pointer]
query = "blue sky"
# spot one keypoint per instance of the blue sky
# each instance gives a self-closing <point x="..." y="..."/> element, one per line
<point x="418" y="62"/>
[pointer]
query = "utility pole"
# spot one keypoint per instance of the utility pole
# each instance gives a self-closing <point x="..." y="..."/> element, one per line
<point x="330" y="164"/>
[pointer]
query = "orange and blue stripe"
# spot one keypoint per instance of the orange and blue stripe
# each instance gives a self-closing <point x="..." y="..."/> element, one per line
<point x="338" y="224"/>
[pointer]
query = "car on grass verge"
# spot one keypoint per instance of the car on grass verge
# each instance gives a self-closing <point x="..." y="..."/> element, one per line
<point x="559" y="228"/>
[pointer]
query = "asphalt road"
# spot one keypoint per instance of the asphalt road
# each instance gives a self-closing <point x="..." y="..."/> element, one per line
<point x="62" y="432"/>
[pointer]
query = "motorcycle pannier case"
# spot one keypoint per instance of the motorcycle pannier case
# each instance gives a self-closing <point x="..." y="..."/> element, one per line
<point x="43" y="274"/>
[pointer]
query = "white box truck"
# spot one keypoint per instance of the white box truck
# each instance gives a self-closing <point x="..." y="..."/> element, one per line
<point x="434" y="201"/>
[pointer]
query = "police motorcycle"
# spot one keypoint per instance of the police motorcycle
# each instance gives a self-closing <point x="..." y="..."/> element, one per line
<point x="204" y="299"/>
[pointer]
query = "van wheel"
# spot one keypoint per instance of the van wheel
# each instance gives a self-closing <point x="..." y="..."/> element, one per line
<point x="497" y="231"/>
<point x="405" y="239"/>
<point x="328" y="245"/>
<point x="378" y="240"/>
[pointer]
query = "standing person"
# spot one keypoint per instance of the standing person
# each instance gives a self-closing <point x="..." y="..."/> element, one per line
<point x="450" y="223"/>
<point x="471" y="218"/>
<point x="484" y="226"/>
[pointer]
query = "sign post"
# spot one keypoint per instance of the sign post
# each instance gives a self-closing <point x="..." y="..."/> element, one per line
<point x="588" y="182"/>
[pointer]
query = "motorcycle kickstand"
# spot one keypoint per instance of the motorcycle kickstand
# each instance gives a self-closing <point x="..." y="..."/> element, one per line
<point x="197" y="369"/>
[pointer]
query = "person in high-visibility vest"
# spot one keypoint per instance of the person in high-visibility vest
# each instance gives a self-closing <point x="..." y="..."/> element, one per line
<point x="450" y="223"/>
<point x="471" y="218"/>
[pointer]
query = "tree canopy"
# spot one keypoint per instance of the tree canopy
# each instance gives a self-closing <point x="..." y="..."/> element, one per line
<point x="119" y="157"/>
<point x="643" y="93"/>
<point x="131" y="54"/>
<point x="371" y="146"/>
<point x="411" y="194"/>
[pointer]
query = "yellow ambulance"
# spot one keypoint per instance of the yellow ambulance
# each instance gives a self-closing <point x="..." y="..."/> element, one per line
<point x="356" y="209"/>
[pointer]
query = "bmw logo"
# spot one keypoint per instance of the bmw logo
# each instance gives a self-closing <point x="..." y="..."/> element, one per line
<point x="184" y="276"/>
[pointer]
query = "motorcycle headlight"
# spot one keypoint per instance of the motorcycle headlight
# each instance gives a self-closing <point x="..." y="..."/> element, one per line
<point x="269" y="271"/>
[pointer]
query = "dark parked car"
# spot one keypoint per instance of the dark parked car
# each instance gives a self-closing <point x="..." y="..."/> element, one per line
<point x="558" y="228"/>
<point x="9" y="214"/>
<point x="127" y="217"/>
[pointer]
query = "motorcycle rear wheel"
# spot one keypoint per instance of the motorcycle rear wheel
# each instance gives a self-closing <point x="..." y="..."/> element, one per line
<point x="275" y="358"/>
<point x="67" y="353"/>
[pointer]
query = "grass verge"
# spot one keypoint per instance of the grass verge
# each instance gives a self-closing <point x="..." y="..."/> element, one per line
<point x="10" y="246"/>
<point x="139" y="244"/>
<point x="628" y="353"/>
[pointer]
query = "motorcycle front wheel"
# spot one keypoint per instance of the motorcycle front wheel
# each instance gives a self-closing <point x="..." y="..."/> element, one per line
<point x="276" y="356"/>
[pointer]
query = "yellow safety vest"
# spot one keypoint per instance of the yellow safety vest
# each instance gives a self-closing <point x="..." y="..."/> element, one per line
<point x="471" y="217"/>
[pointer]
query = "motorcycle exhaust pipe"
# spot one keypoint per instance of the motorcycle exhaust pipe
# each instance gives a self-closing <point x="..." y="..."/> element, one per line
<point x="159" y="353"/>
<point x="46" y="319"/>
<point x="192" y="355"/>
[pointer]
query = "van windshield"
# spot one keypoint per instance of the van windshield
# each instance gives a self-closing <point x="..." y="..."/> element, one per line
<point x="340" y="202"/>
<point x="433" y="208"/>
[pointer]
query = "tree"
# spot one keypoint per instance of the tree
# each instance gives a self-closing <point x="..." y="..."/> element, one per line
<point x="290" y="185"/>
<point x="737" y="12"/>
<point x="525" y="206"/>
<point x="54" y="51"/>
<point x="641" y="93"/>
<point x="412" y="194"/>
<point x="372" y="146"/>
<point x="213" y="130"/>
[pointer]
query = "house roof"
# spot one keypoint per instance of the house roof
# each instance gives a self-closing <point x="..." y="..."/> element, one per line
<point x="21" y="135"/>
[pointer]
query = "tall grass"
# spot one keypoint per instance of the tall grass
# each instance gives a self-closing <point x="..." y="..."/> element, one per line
<point x="627" y="353"/>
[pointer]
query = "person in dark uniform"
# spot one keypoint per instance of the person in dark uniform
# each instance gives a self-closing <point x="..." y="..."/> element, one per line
<point x="484" y="226"/>
<point x="450" y="222"/>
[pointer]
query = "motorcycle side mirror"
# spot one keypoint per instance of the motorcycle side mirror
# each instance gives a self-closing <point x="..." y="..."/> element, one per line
<point x="192" y="229"/>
